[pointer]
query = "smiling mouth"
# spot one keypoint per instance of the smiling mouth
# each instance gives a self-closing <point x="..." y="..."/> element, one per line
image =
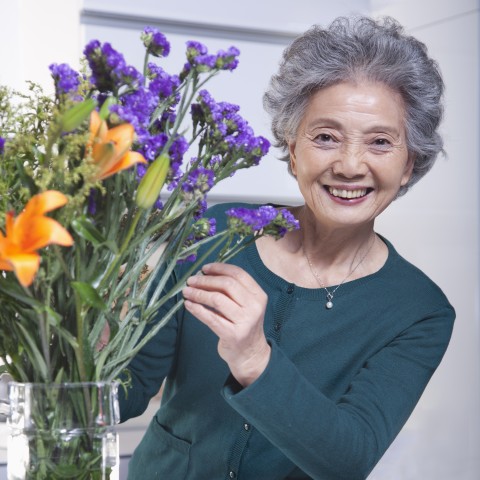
<point x="348" y="194"/>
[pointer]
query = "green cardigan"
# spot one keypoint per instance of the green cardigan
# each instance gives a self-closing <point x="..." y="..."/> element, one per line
<point x="339" y="386"/>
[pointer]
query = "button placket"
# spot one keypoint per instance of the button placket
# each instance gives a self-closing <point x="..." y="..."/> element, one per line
<point x="238" y="449"/>
<point x="285" y="304"/>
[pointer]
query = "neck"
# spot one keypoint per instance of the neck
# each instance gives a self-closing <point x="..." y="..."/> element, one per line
<point x="333" y="248"/>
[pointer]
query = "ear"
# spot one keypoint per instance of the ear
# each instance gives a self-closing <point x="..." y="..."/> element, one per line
<point x="407" y="173"/>
<point x="293" y="159"/>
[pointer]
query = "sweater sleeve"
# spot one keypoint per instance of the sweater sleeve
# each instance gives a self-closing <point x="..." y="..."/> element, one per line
<point x="344" y="439"/>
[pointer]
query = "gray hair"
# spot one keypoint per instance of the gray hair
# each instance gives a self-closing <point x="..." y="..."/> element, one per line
<point x="361" y="48"/>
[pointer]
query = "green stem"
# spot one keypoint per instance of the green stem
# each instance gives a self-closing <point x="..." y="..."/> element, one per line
<point x="118" y="257"/>
<point x="45" y="344"/>
<point x="80" y="348"/>
<point x="145" y="64"/>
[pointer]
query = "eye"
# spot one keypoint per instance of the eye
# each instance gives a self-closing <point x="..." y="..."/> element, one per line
<point x="381" y="143"/>
<point x="325" y="139"/>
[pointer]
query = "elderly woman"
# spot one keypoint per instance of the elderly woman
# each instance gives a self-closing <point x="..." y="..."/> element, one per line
<point x="304" y="357"/>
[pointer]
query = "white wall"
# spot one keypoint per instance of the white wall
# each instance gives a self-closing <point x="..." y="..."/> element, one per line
<point x="435" y="225"/>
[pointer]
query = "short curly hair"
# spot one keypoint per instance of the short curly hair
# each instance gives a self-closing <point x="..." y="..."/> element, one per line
<point x="354" y="48"/>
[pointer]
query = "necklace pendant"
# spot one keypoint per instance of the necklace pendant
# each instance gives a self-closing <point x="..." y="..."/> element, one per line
<point x="329" y="304"/>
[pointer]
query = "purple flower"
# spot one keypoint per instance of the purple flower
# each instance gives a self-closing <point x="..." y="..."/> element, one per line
<point x="199" y="180"/>
<point x="109" y="69"/>
<point x="201" y="209"/>
<point x="176" y="151"/>
<point x="265" y="219"/>
<point x="153" y="146"/>
<point x="155" y="42"/>
<point x="92" y="203"/>
<point x="194" y="49"/>
<point x="190" y="258"/>
<point x="228" y="60"/>
<point x="199" y="58"/>
<point x="254" y="219"/>
<point x="228" y="131"/>
<point x="66" y="79"/>
<point x="203" y="228"/>
<point x="137" y="108"/>
<point x="205" y="63"/>
<point x="161" y="83"/>
<point x="2" y="145"/>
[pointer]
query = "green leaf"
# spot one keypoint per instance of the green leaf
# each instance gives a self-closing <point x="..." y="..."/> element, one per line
<point x="54" y="319"/>
<point x="105" y="109"/>
<point x="89" y="295"/>
<point x="77" y="114"/>
<point x="85" y="229"/>
<point x="34" y="353"/>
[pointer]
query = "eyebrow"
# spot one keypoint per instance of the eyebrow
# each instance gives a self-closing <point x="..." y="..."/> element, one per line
<point x="332" y="123"/>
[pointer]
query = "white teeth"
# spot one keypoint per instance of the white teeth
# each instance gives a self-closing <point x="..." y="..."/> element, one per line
<point x="347" y="193"/>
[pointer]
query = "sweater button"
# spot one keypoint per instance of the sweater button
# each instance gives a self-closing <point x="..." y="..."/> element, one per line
<point x="246" y="426"/>
<point x="290" y="289"/>
<point x="277" y="327"/>
<point x="231" y="474"/>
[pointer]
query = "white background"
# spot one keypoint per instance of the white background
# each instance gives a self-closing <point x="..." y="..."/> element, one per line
<point x="435" y="225"/>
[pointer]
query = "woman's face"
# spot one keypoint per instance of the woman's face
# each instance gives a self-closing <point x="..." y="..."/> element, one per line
<point x="350" y="155"/>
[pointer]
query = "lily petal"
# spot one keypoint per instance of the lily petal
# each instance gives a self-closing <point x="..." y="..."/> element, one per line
<point x="25" y="266"/>
<point x="44" y="202"/>
<point x="127" y="161"/>
<point x="110" y="148"/>
<point x="30" y="231"/>
<point x="122" y="137"/>
<point x="44" y="231"/>
<point x="98" y="127"/>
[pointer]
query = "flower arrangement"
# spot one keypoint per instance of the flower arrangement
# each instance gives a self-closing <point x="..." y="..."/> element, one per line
<point x="82" y="213"/>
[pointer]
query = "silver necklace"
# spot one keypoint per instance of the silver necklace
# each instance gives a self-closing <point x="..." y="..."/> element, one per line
<point x="330" y="294"/>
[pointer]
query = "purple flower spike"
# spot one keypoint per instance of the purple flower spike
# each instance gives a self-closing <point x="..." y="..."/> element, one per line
<point x="2" y="145"/>
<point x="66" y="79"/>
<point x="194" y="49"/>
<point x="161" y="83"/>
<point x="109" y="69"/>
<point x="228" y="60"/>
<point x="205" y="227"/>
<point x="200" y="180"/>
<point x="255" y="220"/>
<point x="266" y="220"/>
<point x="155" y="42"/>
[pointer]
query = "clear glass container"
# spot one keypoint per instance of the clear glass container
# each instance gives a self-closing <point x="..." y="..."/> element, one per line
<point x="62" y="431"/>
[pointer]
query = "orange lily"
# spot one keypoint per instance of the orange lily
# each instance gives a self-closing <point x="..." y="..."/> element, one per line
<point x="30" y="231"/>
<point x="110" y="148"/>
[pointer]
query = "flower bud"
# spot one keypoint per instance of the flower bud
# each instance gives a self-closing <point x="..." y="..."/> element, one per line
<point x="153" y="181"/>
<point x="77" y="114"/>
<point x="105" y="109"/>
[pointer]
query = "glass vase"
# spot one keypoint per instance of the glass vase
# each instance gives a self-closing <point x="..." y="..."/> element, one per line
<point x="63" y="431"/>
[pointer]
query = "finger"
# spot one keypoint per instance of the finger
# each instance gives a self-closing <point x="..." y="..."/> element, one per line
<point x="234" y="280"/>
<point x="219" y="283"/>
<point x="213" y="300"/>
<point x="217" y="323"/>
<point x="233" y="271"/>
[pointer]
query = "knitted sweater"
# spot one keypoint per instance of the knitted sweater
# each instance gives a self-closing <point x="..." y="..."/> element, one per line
<point x="338" y="388"/>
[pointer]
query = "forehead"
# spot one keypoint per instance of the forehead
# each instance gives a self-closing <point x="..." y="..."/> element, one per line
<point x="356" y="104"/>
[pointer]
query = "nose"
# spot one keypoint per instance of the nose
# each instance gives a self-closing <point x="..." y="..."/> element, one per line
<point x="350" y="162"/>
